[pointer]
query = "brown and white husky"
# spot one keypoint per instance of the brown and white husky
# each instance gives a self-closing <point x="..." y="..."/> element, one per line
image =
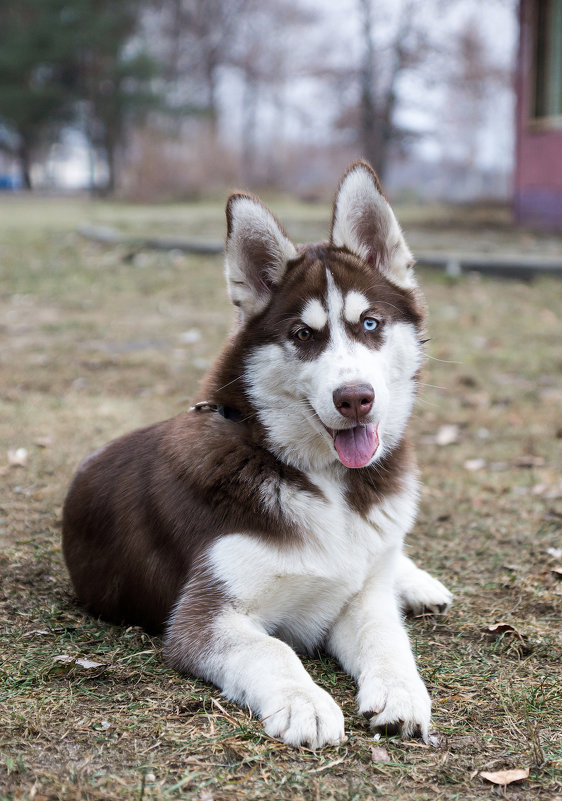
<point x="270" y="518"/>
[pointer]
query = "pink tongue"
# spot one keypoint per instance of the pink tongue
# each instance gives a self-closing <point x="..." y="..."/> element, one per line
<point x="356" y="446"/>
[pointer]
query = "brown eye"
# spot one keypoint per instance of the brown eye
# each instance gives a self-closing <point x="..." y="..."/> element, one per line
<point x="304" y="334"/>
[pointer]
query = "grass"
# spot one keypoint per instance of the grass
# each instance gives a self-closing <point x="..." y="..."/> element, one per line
<point x="92" y="347"/>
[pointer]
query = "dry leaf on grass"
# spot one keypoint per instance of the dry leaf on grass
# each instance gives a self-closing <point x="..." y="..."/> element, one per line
<point x="190" y="337"/>
<point x="17" y="457"/>
<point x="447" y="435"/>
<point x="505" y="777"/>
<point x="474" y="464"/>
<point x="65" y="664"/>
<point x="43" y="442"/>
<point x="497" y="629"/>
<point x="379" y="754"/>
<point x="528" y="460"/>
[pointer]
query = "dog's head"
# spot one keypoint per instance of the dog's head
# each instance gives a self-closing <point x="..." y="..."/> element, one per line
<point x="329" y="334"/>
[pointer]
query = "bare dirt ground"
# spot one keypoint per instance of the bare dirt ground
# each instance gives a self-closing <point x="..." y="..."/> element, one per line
<point x="96" y="341"/>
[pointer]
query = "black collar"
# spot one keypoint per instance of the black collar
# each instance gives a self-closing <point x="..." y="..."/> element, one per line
<point x="228" y="412"/>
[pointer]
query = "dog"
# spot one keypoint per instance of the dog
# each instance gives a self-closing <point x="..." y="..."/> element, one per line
<point x="269" y="519"/>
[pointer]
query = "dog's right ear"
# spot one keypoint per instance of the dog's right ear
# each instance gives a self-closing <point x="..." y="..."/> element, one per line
<point x="364" y="223"/>
<point x="257" y="252"/>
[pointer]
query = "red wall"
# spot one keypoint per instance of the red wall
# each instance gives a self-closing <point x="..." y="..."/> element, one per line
<point x="538" y="161"/>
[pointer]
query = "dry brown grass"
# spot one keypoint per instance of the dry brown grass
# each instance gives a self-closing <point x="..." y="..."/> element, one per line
<point x="91" y="347"/>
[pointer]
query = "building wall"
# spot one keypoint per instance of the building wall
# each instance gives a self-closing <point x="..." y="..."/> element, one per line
<point x="538" y="167"/>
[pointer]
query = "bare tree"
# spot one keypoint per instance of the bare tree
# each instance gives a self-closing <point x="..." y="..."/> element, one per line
<point x="472" y="84"/>
<point x="194" y="40"/>
<point x="371" y="115"/>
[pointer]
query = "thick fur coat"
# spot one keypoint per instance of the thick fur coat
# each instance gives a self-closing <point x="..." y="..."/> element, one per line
<point x="270" y="519"/>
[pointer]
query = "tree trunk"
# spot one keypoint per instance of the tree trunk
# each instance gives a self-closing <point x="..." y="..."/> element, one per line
<point x="369" y="133"/>
<point x="212" y="101"/>
<point x="24" y="157"/>
<point x="249" y="120"/>
<point x="110" y="145"/>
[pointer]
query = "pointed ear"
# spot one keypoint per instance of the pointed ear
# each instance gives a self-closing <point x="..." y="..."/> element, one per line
<point x="257" y="252"/>
<point x="364" y="223"/>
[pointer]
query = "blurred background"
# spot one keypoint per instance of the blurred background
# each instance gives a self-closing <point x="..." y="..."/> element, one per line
<point x="123" y="125"/>
<point x="154" y="100"/>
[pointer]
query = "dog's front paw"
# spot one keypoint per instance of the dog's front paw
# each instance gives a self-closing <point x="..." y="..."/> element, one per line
<point x="304" y="716"/>
<point x="396" y="705"/>
<point x="420" y="593"/>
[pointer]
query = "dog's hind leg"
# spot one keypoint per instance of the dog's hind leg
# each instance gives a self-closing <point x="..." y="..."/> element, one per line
<point x="418" y="591"/>
<point x="250" y="667"/>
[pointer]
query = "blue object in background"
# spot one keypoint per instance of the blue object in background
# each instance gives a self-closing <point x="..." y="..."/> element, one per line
<point x="8" y="183"/>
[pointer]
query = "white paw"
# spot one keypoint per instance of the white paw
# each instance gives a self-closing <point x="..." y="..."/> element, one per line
<point x="420" y="592"/>
<point x="396" y="705"/>
<point x="304" y="716"/>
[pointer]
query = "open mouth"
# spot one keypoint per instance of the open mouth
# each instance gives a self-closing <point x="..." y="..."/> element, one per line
<point x="355" y="446"/>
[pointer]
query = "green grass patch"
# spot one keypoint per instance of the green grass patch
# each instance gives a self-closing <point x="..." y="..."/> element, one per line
<point x="92" y="346"/>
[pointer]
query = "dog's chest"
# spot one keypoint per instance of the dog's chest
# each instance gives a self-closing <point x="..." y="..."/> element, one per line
<point x="298" y="590"/>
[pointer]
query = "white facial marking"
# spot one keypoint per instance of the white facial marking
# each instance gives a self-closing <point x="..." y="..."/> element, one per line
<point x="355" y="305"/>
<point x="334" y="301"/>
<point x="314" y="315"/>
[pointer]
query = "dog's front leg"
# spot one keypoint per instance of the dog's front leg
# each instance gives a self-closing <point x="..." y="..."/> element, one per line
<point x="235" y="652"/>
<point x="371" y="643"/>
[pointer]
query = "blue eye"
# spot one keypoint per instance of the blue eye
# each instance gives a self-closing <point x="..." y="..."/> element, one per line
<point x="369" y="324"/>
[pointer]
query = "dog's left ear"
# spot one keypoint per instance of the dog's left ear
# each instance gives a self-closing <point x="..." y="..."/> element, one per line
<point x="257" y="252"/>
<point x="364" y="223"/>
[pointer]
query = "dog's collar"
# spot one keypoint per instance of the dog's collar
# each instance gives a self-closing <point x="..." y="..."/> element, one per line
<point x="225" y="411"/>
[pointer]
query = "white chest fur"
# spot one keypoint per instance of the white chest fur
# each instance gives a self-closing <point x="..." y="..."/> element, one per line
<point x="297" y="590"/>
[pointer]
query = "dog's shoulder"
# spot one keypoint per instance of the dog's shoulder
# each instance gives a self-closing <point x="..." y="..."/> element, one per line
<point x="227" y="466"/>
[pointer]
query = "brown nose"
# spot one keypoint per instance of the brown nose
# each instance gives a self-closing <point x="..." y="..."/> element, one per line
<point x="354" y="400"/>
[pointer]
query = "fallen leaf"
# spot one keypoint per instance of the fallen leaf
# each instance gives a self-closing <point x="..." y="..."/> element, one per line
<point x="67" y="663"/>
<point x="467" y="381"/>
<point x="557" y="572"/>
<point x="497" y="629"/>
<point x="555" y="552"/>
<point x="190" y="337"/>
<point x="43" y="442"/>
<point x="504" y="777"/>
<point x="379" y="754"/>
<point x="17" y="457"/>
<point x="474" y="464"/>
<point x="462" y="742"/>
<point x="529" y="461"/>
<point x="447" y="435"/>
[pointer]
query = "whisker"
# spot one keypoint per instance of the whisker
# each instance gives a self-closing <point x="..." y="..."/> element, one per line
<point x="230" y="382"/>
<point x="443" y="361"/>
<point x="433" y="386"/>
